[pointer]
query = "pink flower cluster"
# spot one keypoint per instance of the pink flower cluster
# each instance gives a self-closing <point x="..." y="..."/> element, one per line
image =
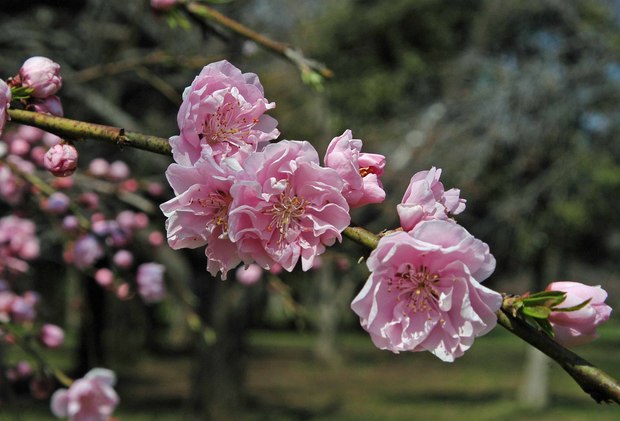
<point x="91" y="398"/>
<point x="578" y="327"/>
<point x="425" y="291"/>
<point x="18" y="243"/>
<point x="250" y="201"/>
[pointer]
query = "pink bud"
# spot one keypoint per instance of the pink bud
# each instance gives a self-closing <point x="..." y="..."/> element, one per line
<point x="51" y="336"/>
<point x="104" y="277"/>
<point x="123" y="259"/>
<point x="50" y="105"/>
<point x="118" y="171"/>
<point x="61" y="160"/>
<point x="5" y="102"/>
<point x="141" y="220"/>
<point x="90" y="200"/>
<point x="42" y="75"/>
<point x="578" y="327"/>
<point x="249" y="275"/>
<point x="156" y="238"/>
<point x="37" y="155"/>
<point x="275" y="269"/>
<point x="62" y="183"/>
<point x="122" y="292"/>
<point x="19" y="147"/>
<point x="150" y="280"/>
<point x="155" y="189"/>
<point x="70" y="223"/>
<point x="131" y="185"/>
<point x="163" y="5"/>
<point x="98" y="167"/>
<point x="57" y="203"/>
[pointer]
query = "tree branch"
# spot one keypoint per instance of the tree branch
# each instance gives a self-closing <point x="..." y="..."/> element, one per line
<point x="594" y="381"/>
<point x="79" y="130"/>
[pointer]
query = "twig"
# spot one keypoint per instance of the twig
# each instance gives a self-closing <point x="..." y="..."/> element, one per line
<point x="594" y="381"/>
<point x="79" y="130"/>
<point x="304" y="64"/>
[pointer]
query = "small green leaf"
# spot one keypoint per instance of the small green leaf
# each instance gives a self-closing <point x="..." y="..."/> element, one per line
<point x="573" y="308"/>
<point x="21" y="92"/>
<point x="545" y="298"/>
<point x="546" y="327"/>
<point x="538" y="312"/>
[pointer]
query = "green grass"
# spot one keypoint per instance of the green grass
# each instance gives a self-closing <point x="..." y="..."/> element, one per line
<point x="285" y="382"/>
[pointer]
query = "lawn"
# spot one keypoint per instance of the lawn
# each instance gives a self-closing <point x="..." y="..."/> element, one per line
<point x="285" y="382"/>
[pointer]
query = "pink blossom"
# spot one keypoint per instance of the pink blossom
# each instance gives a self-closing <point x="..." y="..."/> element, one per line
<point x="51" y="336"/>
<point x="425" y="199"/>
<point x="223" y="113"/>
<point x="156" y="238"/>
<point x="123" y="259"/>
<point x="360" y="171"/>
<point x="162" y="5"/>
<point x="104" y="277"/>
<point x="248" y="275"/>
<point x="198" y="214"/>
<point x="58" y="203"/>
<point x="289" y="209"/>
<point x="91" y="398"/>
<point x="18" y="242"/>
<point x="150" y="280"/>
<point x="424" y="291"/>
<point x="42" y="75"/>
<point x="49" y="105"/>
<point x="61" y="160"/>
<point x="118" y="170"/>
<point x="578" y="327"/>
<point x="86" y="252"/>
<point x="98" y="167"/>
<point x="5" y="103"/>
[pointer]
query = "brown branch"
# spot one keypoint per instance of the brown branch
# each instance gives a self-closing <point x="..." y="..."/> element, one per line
<point x="594" y="381"/>
<point x="79" y="130"/>
<point x="304" y="64"/>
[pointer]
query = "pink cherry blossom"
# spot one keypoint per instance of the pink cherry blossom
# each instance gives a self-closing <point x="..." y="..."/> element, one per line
<point x="150" y="280"/>
<point x="118" y="170"/>
<point x="5" y="103"/>
<point x="91" y="398"/>
<point x="425" y="199"/>
<point x="86" y="251"/>
<point x="424" y="291"/>
<point x="51" y="336"/>
<point x="42" y="75"/>
<point x="290" y="209"/>
<point x="198" y="214"/>
<point x="360" y="171"/>
<point x="573" y="328"/>
<point x="222" y="112"/>
<point x="61" y="160"/>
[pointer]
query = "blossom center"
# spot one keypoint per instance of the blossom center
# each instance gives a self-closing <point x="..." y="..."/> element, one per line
<point x="218" y="203"/>
<point x="285" y="213"/>
<point x="227" y="126"/>
<point x="364" y="171"/>
<point x="417" y="286"/>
